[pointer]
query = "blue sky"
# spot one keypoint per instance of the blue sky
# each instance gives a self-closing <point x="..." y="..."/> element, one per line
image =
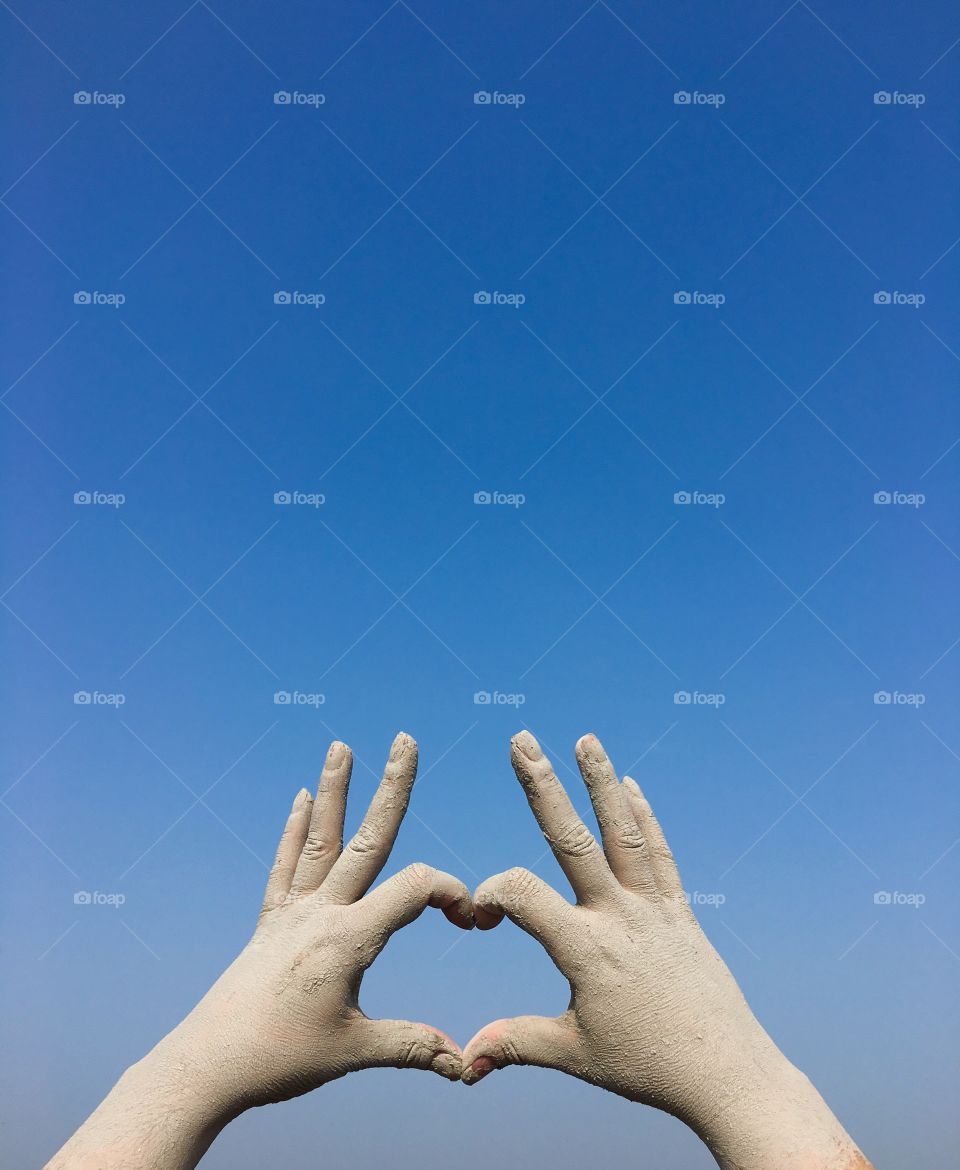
<point x="782" y="198"/>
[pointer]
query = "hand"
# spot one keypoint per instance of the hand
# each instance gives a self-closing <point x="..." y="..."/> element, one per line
<point x="654" y="1015"/>
<point x="284" y="1017"/>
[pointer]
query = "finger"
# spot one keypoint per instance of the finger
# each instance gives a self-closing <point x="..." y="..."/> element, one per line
<point x="325" y="835"/>
<point x="623" y="842"/>
<point x="572" y="842"/>
<point x="530" y="903"/>
<point x="288" y="851"/>
<point x="537" y="1040"/>
<point x="402" y="1044"/>
<point x="404" y="897"/>
<point x="356" y="868"/>
<point x="664" y="867"/>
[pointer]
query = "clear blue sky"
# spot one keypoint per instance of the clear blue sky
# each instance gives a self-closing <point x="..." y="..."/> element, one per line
<point x="398" y="198"/>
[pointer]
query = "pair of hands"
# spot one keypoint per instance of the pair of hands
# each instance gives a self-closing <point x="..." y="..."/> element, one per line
<point x="654" y="1016"/>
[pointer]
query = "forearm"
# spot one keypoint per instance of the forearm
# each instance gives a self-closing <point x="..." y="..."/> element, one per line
<point x="163" y="1113"/>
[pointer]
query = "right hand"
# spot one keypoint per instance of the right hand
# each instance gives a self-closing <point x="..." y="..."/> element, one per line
<point x="654" y="1014"/>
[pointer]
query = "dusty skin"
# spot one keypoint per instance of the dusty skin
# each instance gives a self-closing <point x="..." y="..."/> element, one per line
<point x="654" y="1015"/>
<point x="283" y="1018"/>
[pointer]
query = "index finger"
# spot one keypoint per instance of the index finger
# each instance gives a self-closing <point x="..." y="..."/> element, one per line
<point x="365" y="855"/>
<point x="573" y="845"/>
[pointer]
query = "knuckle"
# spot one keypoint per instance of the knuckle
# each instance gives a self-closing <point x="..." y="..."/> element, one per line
<point x="575" y="840"/>
<point x="418" y="875"/>
<point x="364" y="840"/>
<point x="518" y="884"/>
<point x="318" y="848"/>
<point x="630" y="837"/>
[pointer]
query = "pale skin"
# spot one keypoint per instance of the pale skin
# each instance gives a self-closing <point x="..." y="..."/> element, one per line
<point x="283" y="1018"/>
<point x="654" y="1015"/>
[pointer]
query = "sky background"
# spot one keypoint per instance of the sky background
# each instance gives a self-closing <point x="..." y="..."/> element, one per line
<point x="586" y="606"/>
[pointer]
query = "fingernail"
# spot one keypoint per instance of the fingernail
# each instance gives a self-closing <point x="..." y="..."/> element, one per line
<point x="335" y="753"/>
<point x="590" y="745"/>
<point x="529" y="747"/>
<point x="478" y="1070"/>
<point x="301" y="799"/>
<point x="447" y="1065"/>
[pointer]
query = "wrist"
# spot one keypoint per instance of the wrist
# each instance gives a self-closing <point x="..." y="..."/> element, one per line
<point x="761" y="1111"/>
<point x="164" y="1112"/>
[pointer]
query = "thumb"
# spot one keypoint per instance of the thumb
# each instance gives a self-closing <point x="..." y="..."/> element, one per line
<point x="403" y="1044"/>
<point x="539" y="1040"/>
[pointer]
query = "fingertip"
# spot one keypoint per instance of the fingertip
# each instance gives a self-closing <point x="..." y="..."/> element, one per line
<point x="480" y="1068"/>
<point x="486" y="919"/>
<point x="403" y="747"/>
<point x="525" y="745"/>
<point x="301" y="800"/>
<point x="634" y="789"/>
<point x="336" y="753"/>
<point x="448" y="1066"/>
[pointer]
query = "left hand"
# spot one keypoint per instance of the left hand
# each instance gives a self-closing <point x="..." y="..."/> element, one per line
<point x="284" y="1016"/>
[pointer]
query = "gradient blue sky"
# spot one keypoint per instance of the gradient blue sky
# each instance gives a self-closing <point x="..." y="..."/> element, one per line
<point x="399" y="198"/>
